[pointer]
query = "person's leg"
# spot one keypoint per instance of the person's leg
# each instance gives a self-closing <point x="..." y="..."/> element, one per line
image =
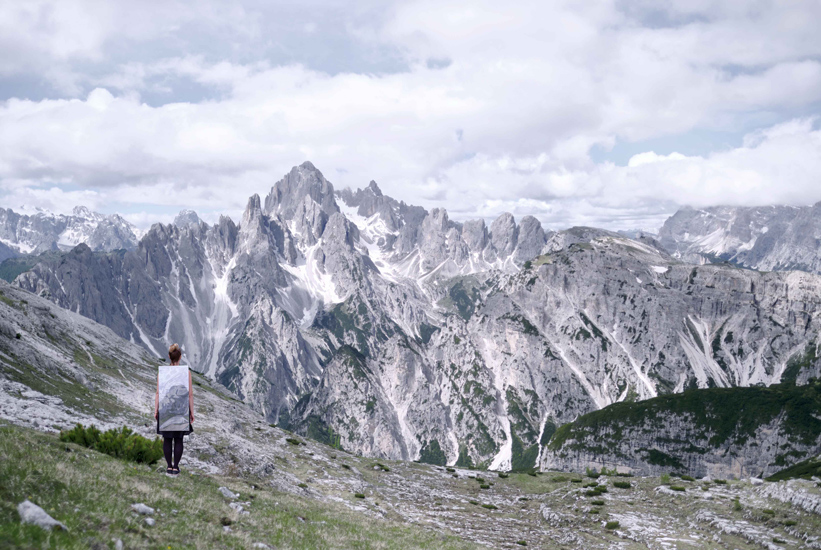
<point x="166" y="449"/>
<point x="177" y="451"/>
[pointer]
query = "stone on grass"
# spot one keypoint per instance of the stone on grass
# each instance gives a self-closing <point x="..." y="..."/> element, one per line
<point x="260" y="545"/>
<point x="236" y="506"/>
<point x="118" y="544"/>
<point x="227" y="493"/>
<point x="142" y="509"/>
<point x="226" y="528"/>
<point x="150" y="522"/>
<point x="33" y="514"/>
<point x="756" y="481"/>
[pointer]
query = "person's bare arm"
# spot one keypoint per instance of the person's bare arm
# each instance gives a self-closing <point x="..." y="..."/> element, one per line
<point x="190" y="397"/>
<point x="157" y="399"/>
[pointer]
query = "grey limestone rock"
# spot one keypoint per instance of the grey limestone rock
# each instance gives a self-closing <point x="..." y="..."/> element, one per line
<point x="142" y="509"/>
<point x="33" y="514"/>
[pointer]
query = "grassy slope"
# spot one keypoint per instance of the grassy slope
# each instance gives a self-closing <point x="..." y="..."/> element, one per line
<point x="723" y="415"/>
<point x="92" y="494"/>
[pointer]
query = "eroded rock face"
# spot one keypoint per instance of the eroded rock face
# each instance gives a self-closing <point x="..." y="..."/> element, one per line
<point x="768" y="238"/>
<point x="400" y="333"/>
<point x="44" y="231"/>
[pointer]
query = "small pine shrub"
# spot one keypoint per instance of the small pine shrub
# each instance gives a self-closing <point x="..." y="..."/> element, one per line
<point x="451" y="470"/>
<point x="484" y="486"/>
<point x="559" y="479"/>
<point x="593" y="511"/>
<point x="591" y="484"/>
<point x="480" y="479"/>
<point x="303" y="485"/>
<point x="624" y="474"/>
<point x="120" y="443"/>
<point x="346" y="466"/>
<point x="532" y="474"/>
<point x="768" y="512"/>
<point x="475" y="503"/>
<point x="18" y="335"/>
<point x="612" y="525"/>
<point x="597" y="502"/>
<point x="523" y="542"/>
<point x="575" y="481"/>
<point x="503" y="475"/>
<point x="737" y="505"/>
<point x="688" y="478"/>
<point x="677" y="488"/>
<point x="490" y="506"/>
<point x="358" y="495"/>
<point x="778" y="540"/>
<point x="622" y="484"/>
<point x="665" y="479"/>
<point x="720" y="481"/>
<point x="790" y="523"/>
<point x="293" y="441"/>
<point x="592" y="473"/>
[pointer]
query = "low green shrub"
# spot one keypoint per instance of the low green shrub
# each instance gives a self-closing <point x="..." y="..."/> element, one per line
<point x="737" y="505"/>
<point x="575" y="481"/>
<point x="677" y="488"/>
<point x="612" y="525"/>
<point x="480" y="479"/>
<point x="593" y="511"/>
<point x="451" y="470"/>
<point x="688" y="478"/>
<point x="622" y="484"/>
<point x="503" y="475"/>
<point x="522" y="542"/>
<point x="597" y="502"/>
<point x="591" y="484"/>
<point x="665" y="479"/>
<point x="120" y="443"/>
<point x="484" y="486"/>
<point x="474" y="502"/>
<point x="790" y="523"/>
<point x="559" y="479"/>
<point x="303" y="485"/>
<point x="293" y="441"/>
<point x="358" y="495"/>
<point x="720" y="481"/>
<point x="768" y="512"/>
<point x="490" y="506"/>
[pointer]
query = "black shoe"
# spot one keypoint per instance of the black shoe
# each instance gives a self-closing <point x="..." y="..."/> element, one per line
<point x="175" y="471"/>
<point x="169" y="471"/>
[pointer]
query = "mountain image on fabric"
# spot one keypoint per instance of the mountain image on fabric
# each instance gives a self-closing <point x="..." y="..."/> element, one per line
<point x="173" y="382"/>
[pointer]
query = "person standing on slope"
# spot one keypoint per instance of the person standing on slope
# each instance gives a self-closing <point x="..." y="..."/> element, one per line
<point x="177" y="407"/>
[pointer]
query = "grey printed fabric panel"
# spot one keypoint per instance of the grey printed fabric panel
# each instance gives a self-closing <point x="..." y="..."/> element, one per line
<point x="173" y="398"/>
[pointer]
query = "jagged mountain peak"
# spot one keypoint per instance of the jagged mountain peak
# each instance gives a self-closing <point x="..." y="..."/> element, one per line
<point x="303" y="180"/>
<point x="186" y="218"/>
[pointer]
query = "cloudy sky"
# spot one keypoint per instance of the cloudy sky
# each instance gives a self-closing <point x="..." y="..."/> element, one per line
<point x="606" y="113"/>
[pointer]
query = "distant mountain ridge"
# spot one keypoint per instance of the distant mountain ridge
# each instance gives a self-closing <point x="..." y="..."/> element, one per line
<point x="350" y="316"/>
<point x="44" y="231"/>
<point x="766" y="238"/>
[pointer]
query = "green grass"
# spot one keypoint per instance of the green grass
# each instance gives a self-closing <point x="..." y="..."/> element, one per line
<point x="720" y="416"/>
<point x="92" y="493"/>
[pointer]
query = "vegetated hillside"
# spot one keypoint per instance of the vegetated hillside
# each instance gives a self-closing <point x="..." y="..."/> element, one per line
<point x="296" y="493"/>
<point x="720" y="432"/>
<point x="403" y="334"/>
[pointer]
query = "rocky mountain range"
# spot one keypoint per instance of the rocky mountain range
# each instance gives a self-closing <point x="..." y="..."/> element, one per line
<point x="766" y="238"/>
<point x="258" y="486"/>
<point x="396" y="332"/>
<point x="44" y="231"/>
